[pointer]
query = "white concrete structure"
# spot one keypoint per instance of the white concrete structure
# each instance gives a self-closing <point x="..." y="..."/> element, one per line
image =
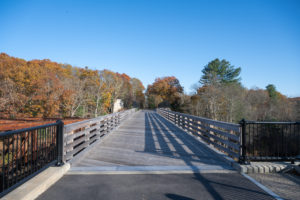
<point x="118" y="105"/>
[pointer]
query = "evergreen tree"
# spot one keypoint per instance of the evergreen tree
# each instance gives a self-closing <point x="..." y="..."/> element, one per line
<point x="220" y="72"/>
<point x="272" y="91"/>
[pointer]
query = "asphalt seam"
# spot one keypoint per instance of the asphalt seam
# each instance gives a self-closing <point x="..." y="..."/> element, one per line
<point x="152" y="167"/>
<point x="150" y="172"/>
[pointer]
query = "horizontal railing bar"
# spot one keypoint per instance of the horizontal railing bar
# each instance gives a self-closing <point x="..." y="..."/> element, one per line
<point x="94" y="129"/>
<point x="228" y="135"/>
<point x="3" y="134"/>
<point x="208" y="120"/>
<point x="225" y="125"/>
<point x="283" y="123"/>
<point x="271" y="158"/>
<point x="224" y="141"/>
<point x="234" y="154"/>
<point x="208" y="130"/>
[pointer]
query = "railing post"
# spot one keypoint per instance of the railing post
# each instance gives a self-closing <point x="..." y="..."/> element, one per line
<point x="59" y="142"/>
<point x="242" y="158"/>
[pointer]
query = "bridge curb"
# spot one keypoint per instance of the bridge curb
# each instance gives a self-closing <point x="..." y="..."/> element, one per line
<point x="38" y="184"/>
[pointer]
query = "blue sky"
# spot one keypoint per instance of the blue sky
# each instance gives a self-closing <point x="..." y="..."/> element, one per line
<point x="149" y="39"/>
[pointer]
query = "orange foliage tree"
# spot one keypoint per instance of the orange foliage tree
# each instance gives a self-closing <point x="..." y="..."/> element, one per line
<point x="42" y="88"/>
<point x="165" y="92"/>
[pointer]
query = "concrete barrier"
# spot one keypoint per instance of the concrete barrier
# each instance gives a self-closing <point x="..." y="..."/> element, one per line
<point x="38" y="184"/>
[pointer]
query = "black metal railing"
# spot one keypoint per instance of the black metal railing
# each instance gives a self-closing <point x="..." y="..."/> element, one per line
<point x="278" y="141"/>
<point x="246" y="141"/>
<point x="26" y="152"/>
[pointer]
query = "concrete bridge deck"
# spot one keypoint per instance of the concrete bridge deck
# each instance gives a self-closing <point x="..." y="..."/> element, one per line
<point x="147" y="157"/>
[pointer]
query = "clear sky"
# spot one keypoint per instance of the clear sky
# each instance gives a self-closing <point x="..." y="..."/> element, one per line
<point x="155" y="38"/>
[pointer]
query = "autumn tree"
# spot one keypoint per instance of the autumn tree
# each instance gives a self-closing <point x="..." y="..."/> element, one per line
<point x="164" y="92"/>
<point x="93" y="87"/>
<point x="42" y="88"/>
<point x="112" y="87"/>
<point x="125" y="93"/>
<point x="12" y="93"/>
<point x="137" y="93"/>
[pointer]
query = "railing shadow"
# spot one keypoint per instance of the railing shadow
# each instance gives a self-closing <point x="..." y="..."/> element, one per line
<point x="186" y="148"/>
<point x="177" y="197"/>
<point x="161" y="134"/>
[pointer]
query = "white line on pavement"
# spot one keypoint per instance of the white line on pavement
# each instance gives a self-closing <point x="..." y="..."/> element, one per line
<point x="267" y="190"/>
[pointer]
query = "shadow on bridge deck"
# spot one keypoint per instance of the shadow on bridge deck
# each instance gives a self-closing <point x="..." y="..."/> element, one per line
<point x="157" y="160"/>
<point x="147" y="139"/>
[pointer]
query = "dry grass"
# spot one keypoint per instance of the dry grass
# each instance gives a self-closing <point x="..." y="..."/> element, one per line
<point x="7" y="124"/>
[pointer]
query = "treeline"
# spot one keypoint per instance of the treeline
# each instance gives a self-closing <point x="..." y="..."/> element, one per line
<point x="219" y="95"/>
<point x="42" y="88"/>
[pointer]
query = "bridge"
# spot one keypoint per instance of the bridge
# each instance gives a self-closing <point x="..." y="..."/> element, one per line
<point x="148" y="157"/>
<point x="150" y="142"/>
<point x="136" y="155"/>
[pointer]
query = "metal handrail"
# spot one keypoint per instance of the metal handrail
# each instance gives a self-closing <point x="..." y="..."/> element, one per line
<point x="26" y="129"/>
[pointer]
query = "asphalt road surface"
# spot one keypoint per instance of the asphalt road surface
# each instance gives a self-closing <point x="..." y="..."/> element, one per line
<point x="155" y="186"/>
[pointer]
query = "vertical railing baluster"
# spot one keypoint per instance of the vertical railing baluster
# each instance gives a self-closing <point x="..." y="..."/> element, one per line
<point x="7" y="164"/>
<point x="26" y="153"/>
<point x="39" y="148"/>
<point x="46" y="145"/>
<point x="59" y="143"/>
<point x="17" y="160"/>
<point x="13" y="160"/>
<point x="43" y="146"/>
<point x="51" y="142"/>
<point x="242" y="158"/>
<point x="21" y="157"/>
<point x="32" y="149"/>
<point x="3" y="163"/>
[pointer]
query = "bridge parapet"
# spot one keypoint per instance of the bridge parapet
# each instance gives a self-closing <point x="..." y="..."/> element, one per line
<point x="79" y="135"/>
<point x="246" y="141"/>
<point x="222" y="135"/>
